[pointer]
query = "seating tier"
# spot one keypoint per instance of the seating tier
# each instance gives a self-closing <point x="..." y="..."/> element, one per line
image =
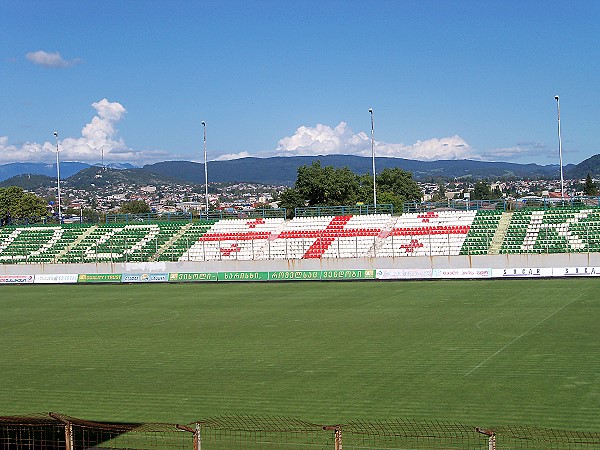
<point x="37" y="244"/>
<point x="481" y="233"/>
<point x="559" y="230"/>
<point x="445" y="233"/>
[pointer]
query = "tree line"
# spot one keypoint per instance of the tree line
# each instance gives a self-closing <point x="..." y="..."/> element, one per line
<point x="18" y="204"/>
<point x="327" y="186"/>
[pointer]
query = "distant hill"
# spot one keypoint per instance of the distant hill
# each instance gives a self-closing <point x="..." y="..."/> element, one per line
<point x="29" y="182"/>
<point x="67" y="169"/>
<point x="283" y="170"/>
<point x="590" y="165"/>
<point x="120" y="166"/>
<point x="99" y="178"/>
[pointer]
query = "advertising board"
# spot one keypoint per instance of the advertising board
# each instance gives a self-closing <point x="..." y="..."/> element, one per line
<point x="461" y="273"/>
<point x="576" y="271"/>
<point x="16" y="279"/>
<point x="56" y="278"/>
<point x="347" y="274"/>
<point x="243" y="276"/>
<point x="522" y="272"/>
<point x="99" y="278"/>
<point x="295" y="275"/>
<point x="403" y="274"/>
<point x="192" y="277"/>
<point x="301" y="275"/>
<point x="145" y="277"/>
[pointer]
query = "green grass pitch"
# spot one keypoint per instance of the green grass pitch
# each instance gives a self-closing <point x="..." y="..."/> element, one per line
<point x="476" y="352"/>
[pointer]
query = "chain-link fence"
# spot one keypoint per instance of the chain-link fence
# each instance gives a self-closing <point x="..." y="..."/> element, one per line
<point x="262" y="433"/>
<point x="408" y="434"/>
<point x="56" y="431"/>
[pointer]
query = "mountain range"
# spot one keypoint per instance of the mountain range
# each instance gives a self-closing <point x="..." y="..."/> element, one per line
<point x="283" y="170"/>
<point x="67" y="169"/>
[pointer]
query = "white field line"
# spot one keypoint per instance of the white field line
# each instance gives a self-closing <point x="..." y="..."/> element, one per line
<point x="520" y="336"/>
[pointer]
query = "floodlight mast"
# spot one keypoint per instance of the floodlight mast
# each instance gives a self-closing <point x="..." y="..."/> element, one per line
<point x="58" y="178"/>
<point x="373" y="157"/>
<point x="562" y="183"/>
<point x="205" y="171"/>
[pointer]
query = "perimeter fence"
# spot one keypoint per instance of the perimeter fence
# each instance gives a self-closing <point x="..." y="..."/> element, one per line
<point x="56" y="431"/>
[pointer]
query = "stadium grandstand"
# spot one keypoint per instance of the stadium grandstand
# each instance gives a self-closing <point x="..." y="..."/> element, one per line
<point x="544" y="230"/>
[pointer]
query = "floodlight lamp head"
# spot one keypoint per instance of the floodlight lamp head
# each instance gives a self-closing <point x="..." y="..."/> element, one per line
<point x="556" y="97"/>
<point x="56" y="134"/>
<point x="371" y="110"/>
<point x="203" y="123"/>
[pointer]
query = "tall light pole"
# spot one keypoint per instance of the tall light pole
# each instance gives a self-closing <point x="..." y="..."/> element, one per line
<point x="205" y="171"/>
<point x="562" y="183"/>
<point x="58" y="178"/>
<point x="373" y="155"/>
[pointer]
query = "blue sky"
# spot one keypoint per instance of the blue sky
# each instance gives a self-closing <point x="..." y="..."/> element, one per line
<point x="446" y="79"/>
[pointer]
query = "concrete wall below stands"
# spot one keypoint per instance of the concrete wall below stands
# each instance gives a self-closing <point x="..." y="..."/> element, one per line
<point x="409" y="262"/>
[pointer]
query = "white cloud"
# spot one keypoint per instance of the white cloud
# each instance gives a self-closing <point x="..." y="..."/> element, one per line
<point x="230" y="156"/>
<point x="100" y="135"/>
<point x="322" y="139"/>
<point x="506" y="153"/>
<point x="46" y="59"/>
<point x="27" y="152"/>
<point x="522" y="150"/>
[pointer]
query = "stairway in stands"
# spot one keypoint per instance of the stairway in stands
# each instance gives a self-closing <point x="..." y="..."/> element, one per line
<point x="170" y="241"/>
<point x="500" y="233"/>
<point x="386" y="231"/>
<point x="73" y="244"/>
<point x="322" y="243"/>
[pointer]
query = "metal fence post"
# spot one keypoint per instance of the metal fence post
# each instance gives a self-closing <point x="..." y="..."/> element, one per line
<point x="197" y="438"/>
<point x="337" y="434"/>
<point x="491" y="437"/>
<point x="195" y="433"/>
<point x="68" y="436"/>
<point x="338" y="438"/>
<point x="68" y="430"/>
<point x="492" y="442"/>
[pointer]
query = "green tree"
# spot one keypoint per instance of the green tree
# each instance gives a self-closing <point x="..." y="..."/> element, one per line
<point x="399" y="182"/>
<point x="395" y="186"/>
<point x="134" y="207"/>
<point x="590" y="188"/>
<point x="343" y="187"/>
<point x="365" y="188"/>
<point x="291" y="199"/>
<point x="15" y="203"/>
<point x="326" y="186"/>
<point x="90" y="215"/>
<point x="440" y="194"/>
<point x="481" y="191"/>
<point x="389" y="198"/>
<point x="70" y="211"/>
